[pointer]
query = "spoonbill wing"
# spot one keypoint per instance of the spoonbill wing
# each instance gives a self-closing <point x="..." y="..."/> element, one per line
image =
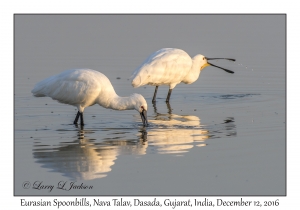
<point x="70" y="87"/>
<point x="165" y="66"/>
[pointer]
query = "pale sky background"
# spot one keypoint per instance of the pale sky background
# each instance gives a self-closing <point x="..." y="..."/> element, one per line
<point x="8" y="8"/>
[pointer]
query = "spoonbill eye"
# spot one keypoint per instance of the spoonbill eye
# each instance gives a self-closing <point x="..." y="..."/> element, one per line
<point x="142" y="107"/>
<point x="203" y="58"/>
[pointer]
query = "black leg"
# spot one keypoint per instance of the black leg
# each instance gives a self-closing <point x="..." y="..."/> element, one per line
<point x="81" y="119"/>
<point x="169" y="94"/>
<point x="154" y="106"/>
<point x="169" y="108"/>
<point x="76" y="118"/>
<point x="154" y="96"/>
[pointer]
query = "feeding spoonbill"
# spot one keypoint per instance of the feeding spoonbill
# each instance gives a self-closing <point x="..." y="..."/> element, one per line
<point x="170" y="66"/>
<point x="86" y="87"/>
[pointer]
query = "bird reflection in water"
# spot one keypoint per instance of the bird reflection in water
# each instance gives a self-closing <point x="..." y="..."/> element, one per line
<point x="175" y="133"/>
<point x="78" y="159"/>
<point x="84" y="158"/>
<point x="89" y="157"/>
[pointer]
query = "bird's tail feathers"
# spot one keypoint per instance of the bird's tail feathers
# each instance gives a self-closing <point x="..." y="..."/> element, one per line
<point x="38" y="92"/>
<point x="136" y="81"/>
<point x="140" y="76"/>
<point x="41" y="89"/>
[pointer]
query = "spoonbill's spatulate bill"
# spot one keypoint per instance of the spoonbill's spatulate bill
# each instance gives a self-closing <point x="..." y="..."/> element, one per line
<point x="86" y="87"/>
<point x="170" y="66"/>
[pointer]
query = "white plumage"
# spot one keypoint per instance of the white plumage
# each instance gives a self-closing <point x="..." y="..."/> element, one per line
<point x="86" y="87"/>
<point x="170" y="66"/>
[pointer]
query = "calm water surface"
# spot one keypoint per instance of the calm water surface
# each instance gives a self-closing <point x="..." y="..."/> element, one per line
<point x="222" y="135"/>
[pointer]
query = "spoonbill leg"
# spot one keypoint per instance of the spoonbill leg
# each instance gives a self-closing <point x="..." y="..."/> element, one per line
<point x="76" y="118"/>
<point x="154" y="96"/>
<point x="169" y="95"/>
<point x="81" y="119"/>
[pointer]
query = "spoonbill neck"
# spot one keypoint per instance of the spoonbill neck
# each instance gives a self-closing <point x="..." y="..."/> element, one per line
<point x="121" y="103"/>
<point x="194" y="72"/>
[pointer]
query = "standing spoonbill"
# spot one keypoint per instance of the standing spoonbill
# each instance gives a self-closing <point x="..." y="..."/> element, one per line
<point x="170" y="66"/>
<point x="86" y="87"/>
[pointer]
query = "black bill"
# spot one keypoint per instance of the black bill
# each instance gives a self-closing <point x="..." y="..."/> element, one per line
<point x="229" y="71"/>
<point x="144" y="117"/>
<point x="230" y="59"/>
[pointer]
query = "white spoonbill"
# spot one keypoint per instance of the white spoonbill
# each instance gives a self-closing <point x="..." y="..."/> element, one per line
<point x="86" y="87"/>
<point x="170" y="66"/>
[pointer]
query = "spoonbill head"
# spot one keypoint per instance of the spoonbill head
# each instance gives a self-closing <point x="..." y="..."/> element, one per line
<point x="141" y="106"/>
<point x="85" y="87"/>
<point x="170" y="66"/>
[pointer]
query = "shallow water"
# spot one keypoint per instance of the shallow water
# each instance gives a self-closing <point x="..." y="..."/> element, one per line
<point x="222" y="135"/>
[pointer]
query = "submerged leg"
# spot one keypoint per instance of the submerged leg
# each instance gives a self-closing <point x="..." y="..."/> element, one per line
<point x="169" y="94"/>
<point x="154" y="106"/>
<point x="81" y="119"/>
<point x="169" y="108"/>
<point x="76" y="118"/>
<point x="154" y="96"/>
